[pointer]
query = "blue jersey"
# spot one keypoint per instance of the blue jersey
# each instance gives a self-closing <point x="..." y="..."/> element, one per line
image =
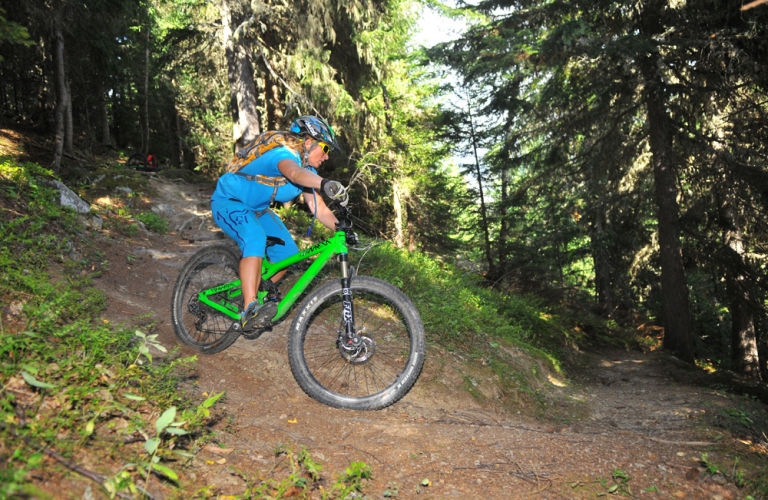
<point x="254" y="194"/>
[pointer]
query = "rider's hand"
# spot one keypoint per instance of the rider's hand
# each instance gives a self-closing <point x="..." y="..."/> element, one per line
<point x="335" y="190"/>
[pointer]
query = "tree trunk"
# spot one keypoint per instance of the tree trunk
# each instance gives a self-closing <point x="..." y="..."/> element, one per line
<point x="398" y="208"/>
<point x="16" y="92"/>
<point x="601" y="263"/>
<point x="603" y="288"/>
<point x="743" y="337"/>
<point x="104" y="112"/>
<point x="3" y="99"/>
<point x="678" y="336"/>
<point x="69" y="147"/>
<point x="483" y="208"/>
<point x="145" y="104"/>
<point x="410" y="227"/>
<point x="61" y="91"/>
<point x="245" y="116"/>
<point x="117" y="128"/>
<point x="501" y="245"/>
<point x="178" y="157"/>
<point x="272" y="101"/>
<point x="246" y="97"/>
<point x="229" y="54"/>
<point x="387" y="112"/>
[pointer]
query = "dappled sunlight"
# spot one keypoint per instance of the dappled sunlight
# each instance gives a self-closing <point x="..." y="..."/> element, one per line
<point x="707" y="365"/>
<point x="109" y="202"/>
<point x="556" y="382"/>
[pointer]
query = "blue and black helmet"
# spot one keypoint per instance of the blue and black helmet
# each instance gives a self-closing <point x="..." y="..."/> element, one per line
<point x="316" y="128"/>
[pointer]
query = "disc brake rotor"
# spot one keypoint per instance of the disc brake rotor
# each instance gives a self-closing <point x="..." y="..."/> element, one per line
<point x="360" y="353"/>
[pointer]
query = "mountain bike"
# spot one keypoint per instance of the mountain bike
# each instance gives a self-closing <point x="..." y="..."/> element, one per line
<point x="143" y="163"/>
<point x="356" y="342"/>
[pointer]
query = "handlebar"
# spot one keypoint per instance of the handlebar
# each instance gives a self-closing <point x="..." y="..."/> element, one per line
<point x="344" y="215"/>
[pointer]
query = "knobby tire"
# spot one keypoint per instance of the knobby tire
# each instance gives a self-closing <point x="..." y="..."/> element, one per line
<point x="195" y="323"/>
<point x="137" y="161"/>
<point x="395" y="337"/>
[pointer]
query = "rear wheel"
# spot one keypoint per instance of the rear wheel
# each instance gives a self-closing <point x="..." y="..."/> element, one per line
<point x="137" y="161"/>
<point x="194" y="322"/>
<point x="385" y="365"/>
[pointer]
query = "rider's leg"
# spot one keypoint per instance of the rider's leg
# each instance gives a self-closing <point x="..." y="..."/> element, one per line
<point x="250" y="277"/>
<point x="274" y="226"/>
<point x="242" y="225"/>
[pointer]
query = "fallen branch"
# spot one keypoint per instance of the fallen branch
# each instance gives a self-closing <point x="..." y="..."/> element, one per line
<point x="685" y="443"/>
<point x="96" y="478"/>
<point x="65" y="155"/>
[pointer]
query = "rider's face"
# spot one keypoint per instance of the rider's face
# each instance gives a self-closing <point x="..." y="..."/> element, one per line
<point x="316" y="153"/>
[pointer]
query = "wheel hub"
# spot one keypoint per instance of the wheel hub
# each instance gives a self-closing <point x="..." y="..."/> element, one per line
<point x="194" y="308"/>
<point x="358" y="350"/>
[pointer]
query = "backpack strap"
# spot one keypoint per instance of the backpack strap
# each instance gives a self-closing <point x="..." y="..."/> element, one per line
<point x="275" y="182"/>
<point x="264" y="179"/>
<point x="257" y="147"/>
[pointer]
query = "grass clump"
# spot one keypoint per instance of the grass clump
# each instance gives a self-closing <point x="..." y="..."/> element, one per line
<point x="153" y="222"/>
<point x="514" y="337"/>
<point x="301" y="477"/>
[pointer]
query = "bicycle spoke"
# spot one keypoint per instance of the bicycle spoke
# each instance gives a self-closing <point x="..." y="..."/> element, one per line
<point x="196" y="323"/>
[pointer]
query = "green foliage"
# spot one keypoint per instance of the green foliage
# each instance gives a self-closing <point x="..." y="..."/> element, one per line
<point x="12" y="32"/>
<point x="711" y="468"/>
<point x="153" y="222"/>
<point x="453" y="304"/>
<point x="463" y="316"/>
<point x="561" y="96"/>
<point x="620" y="484"/>
<point x="302" y="471"/>
<point x="70" y="375"/>
<point x="352" y="479"/>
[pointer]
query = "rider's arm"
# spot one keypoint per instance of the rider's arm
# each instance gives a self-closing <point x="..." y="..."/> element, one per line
<point x="297" y="175"/>
<point x="324" y="213"/>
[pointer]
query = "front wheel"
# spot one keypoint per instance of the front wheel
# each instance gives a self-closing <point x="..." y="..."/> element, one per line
<point x="194" y="322"/>
<point x="390" y="356"/>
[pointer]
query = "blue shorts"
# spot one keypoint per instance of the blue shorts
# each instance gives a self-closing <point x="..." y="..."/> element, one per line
<point x="250" y="232"/>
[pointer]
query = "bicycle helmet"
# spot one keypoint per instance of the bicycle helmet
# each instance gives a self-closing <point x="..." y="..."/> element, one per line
<point x="316" y="128"/>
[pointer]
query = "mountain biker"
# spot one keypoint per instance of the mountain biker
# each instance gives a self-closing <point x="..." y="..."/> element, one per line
<point x="241" y="201"/>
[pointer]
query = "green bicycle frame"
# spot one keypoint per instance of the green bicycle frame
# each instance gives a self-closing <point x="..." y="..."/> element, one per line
<point x="325" y="251"/>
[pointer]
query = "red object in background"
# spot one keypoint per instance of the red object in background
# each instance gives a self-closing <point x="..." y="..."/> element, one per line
<point x="151" y="162"/>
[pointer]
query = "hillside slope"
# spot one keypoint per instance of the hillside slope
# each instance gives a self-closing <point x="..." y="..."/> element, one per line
<point x="638" y="419"/>
<point x="626" y="422"/>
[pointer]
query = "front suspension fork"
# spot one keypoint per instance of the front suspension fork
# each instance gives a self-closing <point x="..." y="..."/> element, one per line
<point x="349" y="339"/>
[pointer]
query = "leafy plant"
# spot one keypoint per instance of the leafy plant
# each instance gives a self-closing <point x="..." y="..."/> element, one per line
<point x="164" y="424"/>
<point x="153" y="222"/>
<point x="352" y="479"/>
<point x="620" y="483"/>
<point x="147" y="341"/>
<point x="711" y="468"/>
<point x="392" y="491"/>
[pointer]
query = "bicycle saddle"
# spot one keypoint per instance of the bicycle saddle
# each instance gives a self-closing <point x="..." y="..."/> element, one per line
<point x="272" y="240"/>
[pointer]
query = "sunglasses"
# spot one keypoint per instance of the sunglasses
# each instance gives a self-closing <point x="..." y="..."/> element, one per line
<point x="325" y="147"/>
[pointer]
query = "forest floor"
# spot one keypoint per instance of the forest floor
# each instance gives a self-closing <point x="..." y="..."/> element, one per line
<point x="642" y="428"/>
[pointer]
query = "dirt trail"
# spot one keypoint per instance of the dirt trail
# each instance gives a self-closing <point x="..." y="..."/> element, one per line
<point x="641" y="421"/>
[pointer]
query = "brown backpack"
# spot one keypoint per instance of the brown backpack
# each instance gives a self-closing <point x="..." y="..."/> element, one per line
<point x="257" y="147"/>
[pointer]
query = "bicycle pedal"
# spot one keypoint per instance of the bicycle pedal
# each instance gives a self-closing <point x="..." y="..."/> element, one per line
<point x="263" y="319"/>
